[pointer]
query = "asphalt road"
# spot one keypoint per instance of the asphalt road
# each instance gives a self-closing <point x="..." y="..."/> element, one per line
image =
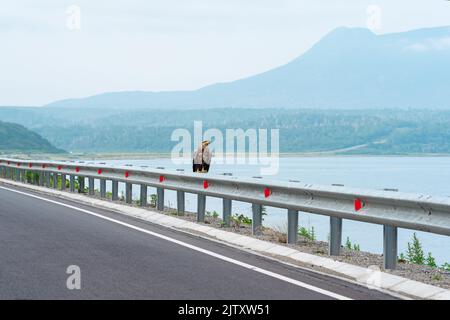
<point x="39" y="240"/>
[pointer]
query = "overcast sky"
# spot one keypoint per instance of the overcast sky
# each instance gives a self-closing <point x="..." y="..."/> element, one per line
<point x="45" y="55"/>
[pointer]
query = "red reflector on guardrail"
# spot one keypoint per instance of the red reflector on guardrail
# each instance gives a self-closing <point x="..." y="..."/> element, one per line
<point x="358" y="204"/>
<point x="267" y="192"/>
<point x="43" y="166"/>
<point x="205" y="184"/>
<point x="59" y="167"/>
<point x="18" y="164"/>
<point x="30" y="165"/>
<point x="127" y="174"/>
<point x="77" y="169"/>
<point x="99" y="171"/>
<point x="161" y="178"/>
<point x="8" y="162"/>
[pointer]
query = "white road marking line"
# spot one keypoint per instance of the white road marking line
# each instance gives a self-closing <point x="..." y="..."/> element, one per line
<point x="184" y="244"/>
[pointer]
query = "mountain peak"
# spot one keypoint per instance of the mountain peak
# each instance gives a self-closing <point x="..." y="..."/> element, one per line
<point x="349" y="68"/>
<point x="350" y="31"/>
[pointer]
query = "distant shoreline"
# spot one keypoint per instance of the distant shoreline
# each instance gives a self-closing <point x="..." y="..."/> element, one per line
<point x="156" y="155"/>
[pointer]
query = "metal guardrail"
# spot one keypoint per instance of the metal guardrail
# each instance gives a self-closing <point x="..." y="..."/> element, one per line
<point x="391" y="209"/>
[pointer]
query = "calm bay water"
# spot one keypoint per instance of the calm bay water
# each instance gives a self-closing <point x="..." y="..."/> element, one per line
<point x="429" y="175"/>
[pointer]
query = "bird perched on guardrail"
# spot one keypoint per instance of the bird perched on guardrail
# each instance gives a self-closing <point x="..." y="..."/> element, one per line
<point x="202" y="158"/>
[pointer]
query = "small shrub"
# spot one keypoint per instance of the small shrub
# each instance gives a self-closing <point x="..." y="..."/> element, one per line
<point x="348" y="244"/>
<point x="431" y="262"/>
<point x="415" y="253"/>
<point x="446" y="266"/>
<point x="308" y="234"/>
<point x="352" y="246"/>
<point x="246" y="220"/>
<point x="153" y="199"/>
<point x="236" y="220"/>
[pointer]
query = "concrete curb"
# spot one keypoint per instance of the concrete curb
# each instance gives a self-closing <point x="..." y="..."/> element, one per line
<point x="372" y="278"/>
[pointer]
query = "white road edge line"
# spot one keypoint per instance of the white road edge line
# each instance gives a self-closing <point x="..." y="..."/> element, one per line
<point x="204" y="251"/>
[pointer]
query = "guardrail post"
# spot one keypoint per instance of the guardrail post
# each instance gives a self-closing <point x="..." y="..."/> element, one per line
<point x="256" y="219"/>
<point x="115" y="190"/>
<point x="102" y="188"/>
<point x="63" y="182"/>
<point x="91" y="186"/>
<point x="389" y="247"/>
<point x="71" y="183"/>
<point x="55" y="180"/>
<point x="35" y="178"/>
<point x="143" y="195"/>
<point x="201" y="206"/>
<point x="334" y="247"/>
<point x="17" y="175"/>
<point x="226" y="211"/>
<point x="180" y="202"/>
<point x="47" y="179"/>
<point x="128" y="192"/>
<point x="160" y="199"/>
<point x="292" y="227"/>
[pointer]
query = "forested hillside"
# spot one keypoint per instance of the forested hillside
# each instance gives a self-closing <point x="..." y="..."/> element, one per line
<point x="17" y="138"/>
<point x="139" y="130"/>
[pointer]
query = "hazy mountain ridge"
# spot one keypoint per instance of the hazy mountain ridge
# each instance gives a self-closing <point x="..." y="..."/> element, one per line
<point x="350" y="68"/>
